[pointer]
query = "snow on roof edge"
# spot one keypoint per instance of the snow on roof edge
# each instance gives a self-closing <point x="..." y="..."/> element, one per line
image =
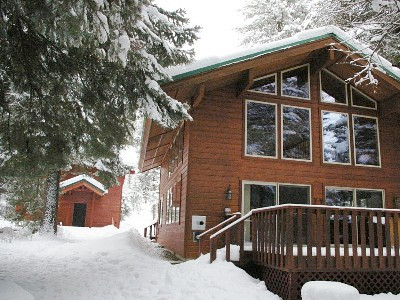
<point x="304" y="37"/>
<point x="86" y="178"/>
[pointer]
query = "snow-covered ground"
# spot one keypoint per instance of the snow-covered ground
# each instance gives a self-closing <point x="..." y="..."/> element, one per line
<point x="109" y="263"/>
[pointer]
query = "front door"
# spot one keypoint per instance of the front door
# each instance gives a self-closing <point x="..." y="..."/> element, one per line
<point x="79" y="215"/>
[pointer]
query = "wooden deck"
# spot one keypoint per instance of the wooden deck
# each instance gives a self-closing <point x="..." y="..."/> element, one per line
<point x="292" y="244"/>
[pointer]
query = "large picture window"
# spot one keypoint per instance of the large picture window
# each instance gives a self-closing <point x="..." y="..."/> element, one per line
<point x="335" y="137"/>
<point x="333" y="89"/>
<point x="296" y="133"/>
<point x="366" y="140"/>
<point x="261" y="129"/>
<point x="296" y="82"/>
<point x="338" y="196"/>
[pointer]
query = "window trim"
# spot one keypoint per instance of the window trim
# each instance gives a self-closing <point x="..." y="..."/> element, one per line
<point x="309" y="84"/>
<point x="262" y="77"/>
<point x="338" y="78"/>
<point x="368" y="97"/>
<point x="354" y="190"/>
<point x="281" y="137"/>
<point x="354" y="142"/>
<point x="276" y="130"/>
<point x="276" y="184"/>
<point x="348" y="137"/>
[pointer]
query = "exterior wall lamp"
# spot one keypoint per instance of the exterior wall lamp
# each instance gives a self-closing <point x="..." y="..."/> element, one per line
<point x="228" y="193"/>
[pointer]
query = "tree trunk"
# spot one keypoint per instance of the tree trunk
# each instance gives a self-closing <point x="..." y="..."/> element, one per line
<point x="50" y="214"/>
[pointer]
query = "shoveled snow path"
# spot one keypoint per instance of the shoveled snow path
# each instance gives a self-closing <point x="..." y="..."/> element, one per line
<point x="108" y="264"/>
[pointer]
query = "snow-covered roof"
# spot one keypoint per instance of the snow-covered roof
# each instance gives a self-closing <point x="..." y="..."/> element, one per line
<point x="301" y="38"/>
<point x="90" y="180"/>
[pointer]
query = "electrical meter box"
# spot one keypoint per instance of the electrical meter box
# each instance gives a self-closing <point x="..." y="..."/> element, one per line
<point x="198" y="222"/>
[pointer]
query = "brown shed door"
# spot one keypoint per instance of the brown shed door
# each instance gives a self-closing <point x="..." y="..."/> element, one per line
<point x="79" y="215"/>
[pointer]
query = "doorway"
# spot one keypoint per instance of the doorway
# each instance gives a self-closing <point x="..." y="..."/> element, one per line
<point x="79" y="215"/>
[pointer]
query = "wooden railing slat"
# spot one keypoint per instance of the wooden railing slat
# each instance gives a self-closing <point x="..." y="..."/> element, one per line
<point x="363" y="237"/>
<point x="318" y="238"/>
<point x="354" y="242"/>
<point x="379" y="235"/>
<point x="338" y="260"/>
<point x="346" y="240"/>
<point x="388" y="231"/>
<point x="328" y="214"/>
<point x="396" y="240"/>
<point x="289" y="239"/>
<point x="371" y="239"/>
<point x="310" y="234"/>
<point x="228" y="244"/>
<point x="300" y="260"/>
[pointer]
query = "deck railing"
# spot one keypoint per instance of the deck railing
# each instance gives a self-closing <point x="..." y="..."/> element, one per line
<point x="209" y="231"/>
<point x="295" y="237"/>
<point x="151" y="230"/>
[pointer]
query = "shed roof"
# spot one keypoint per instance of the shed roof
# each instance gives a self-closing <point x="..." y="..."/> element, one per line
<point x="85" y="180"/>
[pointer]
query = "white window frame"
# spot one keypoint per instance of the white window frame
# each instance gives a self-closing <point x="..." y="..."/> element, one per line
<point x="348" y="137"/>
<point x="338" y="78"/>
<point x="266" y="76"/>
<point x="309" y="85"/>
<point x="354" y="142"/>
<point x="276" y="130"/>
<point x="276" y="184"/>
<point x="354" y="191"/>
<point x="369" y="98"/>
<point x="310" y="124"/>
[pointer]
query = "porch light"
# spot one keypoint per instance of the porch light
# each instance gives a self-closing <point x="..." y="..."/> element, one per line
<point x="228" y="193"/>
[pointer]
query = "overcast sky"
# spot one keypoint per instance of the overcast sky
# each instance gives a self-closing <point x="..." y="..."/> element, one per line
<point x="218" y="18"/>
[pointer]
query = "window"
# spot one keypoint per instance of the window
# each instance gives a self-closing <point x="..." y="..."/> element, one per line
<point x="333" y="89"/>
<point x="369" y="198"/>
<point x="359" y="99"/>
<point x="296" y="133"/>
<point x="336" y="137"/>
<point x="337" y="196"/>
<point x="366" y="140"/>
<point x="295" y="194"/>
<point x="260" y="129"/>
<point x="161" y="215"/>
<point x="168" y="216"/>
<point x="264" y="85"/>
<point x="296" y="82"/>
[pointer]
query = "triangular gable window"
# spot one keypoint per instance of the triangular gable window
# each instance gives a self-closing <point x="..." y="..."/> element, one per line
<point x="264" y="85"/>
<point x="359" y="99"/>
<point x="333" y="89"/>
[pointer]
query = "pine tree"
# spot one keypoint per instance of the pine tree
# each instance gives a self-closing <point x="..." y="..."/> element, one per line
<point x="73" y="75"/>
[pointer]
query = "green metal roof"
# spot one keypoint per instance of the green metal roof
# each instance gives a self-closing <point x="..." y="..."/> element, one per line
<point x="268" y="51"/>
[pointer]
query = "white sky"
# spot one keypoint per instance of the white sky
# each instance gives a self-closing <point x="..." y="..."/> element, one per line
<point x="218" y="19"/>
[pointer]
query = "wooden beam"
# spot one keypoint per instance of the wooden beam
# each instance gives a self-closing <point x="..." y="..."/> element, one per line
<point x="246" y="82"/>
<point x="198" y="96"/>
<point x="323" y="58"/>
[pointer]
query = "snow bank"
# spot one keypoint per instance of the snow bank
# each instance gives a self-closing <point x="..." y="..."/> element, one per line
<point x="9" y="290"/>
<point x="328" y="290"/>
<point x="86" y="233"/>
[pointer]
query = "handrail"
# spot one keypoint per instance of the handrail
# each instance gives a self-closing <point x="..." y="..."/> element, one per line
<point x="151" y="226"/>
<point x="234" y="216"/>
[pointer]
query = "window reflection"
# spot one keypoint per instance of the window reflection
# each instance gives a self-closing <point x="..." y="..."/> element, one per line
<point x="335" y="132"/>
<point x="295" y="83"/>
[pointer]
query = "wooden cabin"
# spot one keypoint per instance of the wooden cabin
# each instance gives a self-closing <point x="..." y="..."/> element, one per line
<point x="280" y="137"/>
<point x="85" y="202"/>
